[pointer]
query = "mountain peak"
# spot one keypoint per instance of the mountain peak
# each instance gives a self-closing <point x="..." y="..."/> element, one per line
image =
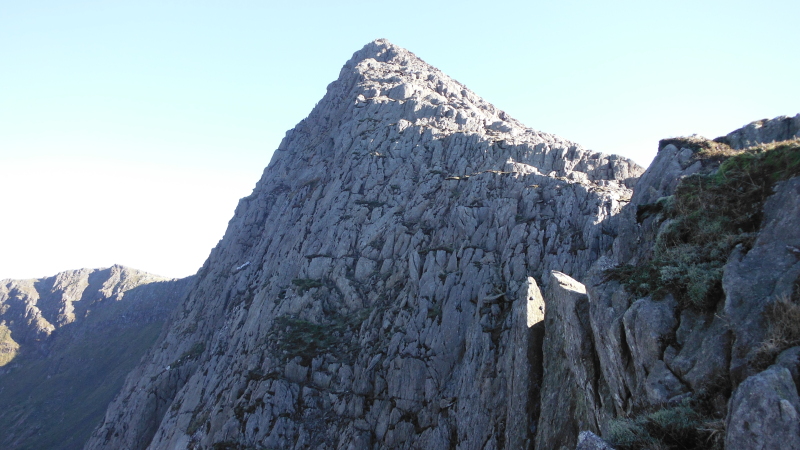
<point x="388" y="72"/>
<point x="382" y="221"/>
<point x="380" y="50"/>
<point x="384" y="91"/>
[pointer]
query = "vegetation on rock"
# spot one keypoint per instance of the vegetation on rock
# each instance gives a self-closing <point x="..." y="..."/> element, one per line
<point x="783" y="328"/>
<point x="302" y="338"/>
<point x="304" y="284"/>
<point x="675" y="427"/>
<point x="704" y="220"/>
<point x="8" y="348"/>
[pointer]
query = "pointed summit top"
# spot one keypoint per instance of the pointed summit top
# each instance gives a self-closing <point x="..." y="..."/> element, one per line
<point x="386" y="81"/>
<point x="401" y="190"/>
<point x="385" y="90"/>
<point x="380" y="50"/>
<point x="383" y="51"/>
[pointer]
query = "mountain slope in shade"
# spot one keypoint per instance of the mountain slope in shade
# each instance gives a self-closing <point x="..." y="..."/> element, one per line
<point x="75" y="336"/>
<point x="379" y="287"/>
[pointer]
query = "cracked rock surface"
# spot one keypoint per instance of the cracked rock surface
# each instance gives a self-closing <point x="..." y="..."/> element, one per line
<point x="380" y="287"/>
<point x="647" y="354"/>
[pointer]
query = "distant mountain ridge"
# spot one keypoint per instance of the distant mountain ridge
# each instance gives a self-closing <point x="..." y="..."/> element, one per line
<point x="66" y="344"/>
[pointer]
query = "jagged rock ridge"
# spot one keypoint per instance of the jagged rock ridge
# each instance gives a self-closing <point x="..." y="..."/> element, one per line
<point x="378" y="289"/>
<point x="623" y="357"/>
<point x="74" y="337"/>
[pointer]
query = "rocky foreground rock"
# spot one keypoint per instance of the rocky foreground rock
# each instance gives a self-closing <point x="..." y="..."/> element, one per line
<point x="66" y="344"/>
<point x="416" y="269"/>
<point x="634" y="366"/>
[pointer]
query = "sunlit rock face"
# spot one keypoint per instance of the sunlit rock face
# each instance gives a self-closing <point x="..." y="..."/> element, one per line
<point x="614" y="360"/>
<point x="380" y="287"/>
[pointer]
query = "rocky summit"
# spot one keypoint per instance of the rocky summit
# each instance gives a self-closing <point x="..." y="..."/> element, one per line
<point x="416" y="269"/>
<point x="377" y="287"/>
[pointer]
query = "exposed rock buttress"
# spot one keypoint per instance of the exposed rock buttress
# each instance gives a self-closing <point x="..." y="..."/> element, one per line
<point x="379" y="288"/>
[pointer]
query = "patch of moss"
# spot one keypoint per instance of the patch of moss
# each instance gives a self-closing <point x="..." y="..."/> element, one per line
<point x="427" y="250"/>
<point x="435" y="312"/>
<point x="191" y="328"/>
<point x="695" y="143"/>
<point x="304" y="284"/>
<point x="706" y="218"/>
<point x="378" y="244"/>
<point x="240" y="410"/>
<point x="298" y="337"/>
<point x="8" y="347"/>
<point x="257" y="375"/>
<point x="196" y="350"/>
<point x="653" y="209"/>
<point x="680" y="426"/>
<point x="233" y="445"/>
<point x="197" y="421"/>
<point x="370" y="203"/>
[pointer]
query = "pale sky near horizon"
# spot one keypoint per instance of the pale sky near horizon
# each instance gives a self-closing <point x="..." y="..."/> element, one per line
<point x="129" y="130"/>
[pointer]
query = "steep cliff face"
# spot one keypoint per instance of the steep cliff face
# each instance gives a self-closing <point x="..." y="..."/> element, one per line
<point x="67" y="343"/>
<point x="380" y="287"/>
<point x="686" y="336"/>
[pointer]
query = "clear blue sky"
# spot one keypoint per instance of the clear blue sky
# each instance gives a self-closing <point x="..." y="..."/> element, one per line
<point x="128" y="130"/>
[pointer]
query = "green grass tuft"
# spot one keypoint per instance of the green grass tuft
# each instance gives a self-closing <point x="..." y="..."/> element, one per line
<point x="676" y="427"/>
<point x="783" y="328"/>
<point x="298" y="337"/>
<point x="706" y="218"/>
<point x="304" y="284"/>
<point x="8" y="347"/>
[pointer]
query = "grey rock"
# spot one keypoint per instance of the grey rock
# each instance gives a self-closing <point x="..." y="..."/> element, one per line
<point x="570" y="382"/>
<point x="608" y="302"/>
<point x="790" y="360"/>
<point x="763" y="275"/>
<point x="704" y="340"/>
<point x="763" y="412"/>
<point x="416" y="214"/>
<point x="662" y="385"/>
<point x="523" y="364"/>
<point x="649" y="327"/>
<point x="764" y="131"/>
<point x="590" y="441"/>
<point x="649" y="353"/>
<point x="636" y="234"/>
<point x="378" y="289"/>
<point x="623" y="375"/>
<point x="34" y="309"/>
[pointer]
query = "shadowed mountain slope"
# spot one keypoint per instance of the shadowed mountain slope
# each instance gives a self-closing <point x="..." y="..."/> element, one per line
<point x="68" y="341"/>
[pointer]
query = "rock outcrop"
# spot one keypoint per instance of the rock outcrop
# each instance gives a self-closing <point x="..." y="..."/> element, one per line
<point x="380" y="287"/>
<point x="416" y="269"/>
<point x="73" y="338"/>
<point x="569" y="377"/>
<point x="660" y="361"/>
<point x="764" y="131"/>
